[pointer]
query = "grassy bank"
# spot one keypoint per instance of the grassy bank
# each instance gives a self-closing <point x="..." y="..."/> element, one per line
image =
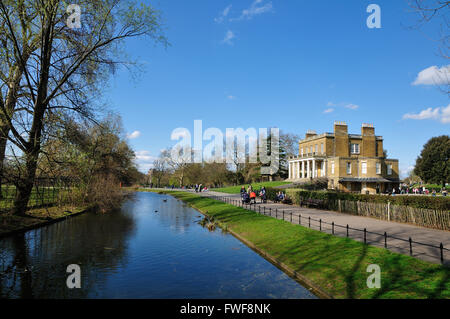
<point x="237" y="189"/>
<point x="336" y="265"/>
<point x="35" y="218"/>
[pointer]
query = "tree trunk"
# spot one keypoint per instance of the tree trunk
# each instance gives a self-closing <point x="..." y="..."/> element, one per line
<point x="25" y="185"/>
<point x="2" y="159"/>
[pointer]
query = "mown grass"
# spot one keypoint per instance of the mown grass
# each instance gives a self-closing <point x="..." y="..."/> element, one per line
<point x="237" y="189"/>
<point x="337" y="265"/>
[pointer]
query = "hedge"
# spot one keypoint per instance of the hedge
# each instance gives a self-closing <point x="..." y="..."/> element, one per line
<point x="427" y="202"/>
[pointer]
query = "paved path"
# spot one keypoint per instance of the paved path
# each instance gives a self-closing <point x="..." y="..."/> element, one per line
<point x="398" y="230"/>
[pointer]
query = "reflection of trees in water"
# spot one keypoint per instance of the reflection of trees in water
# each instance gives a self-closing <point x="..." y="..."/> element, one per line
<point x="33" y="265"/>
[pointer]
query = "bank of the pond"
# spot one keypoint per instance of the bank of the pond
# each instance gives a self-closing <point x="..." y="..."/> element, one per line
<point x="334" y="265"/>
<point x="35" y="218"/>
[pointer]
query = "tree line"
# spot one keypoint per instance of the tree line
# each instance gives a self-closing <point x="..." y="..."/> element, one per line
<point x="51" y="75"/>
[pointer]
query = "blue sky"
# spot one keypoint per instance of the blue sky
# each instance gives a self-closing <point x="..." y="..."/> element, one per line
<point x="293" y="64"/>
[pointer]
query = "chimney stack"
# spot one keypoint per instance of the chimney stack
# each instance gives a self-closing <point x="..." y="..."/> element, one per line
<point x="341" y="139"/>
<point x="369" y="144"/>
<point x="310" y="133"/>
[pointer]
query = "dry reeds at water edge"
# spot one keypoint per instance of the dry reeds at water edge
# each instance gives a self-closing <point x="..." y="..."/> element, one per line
<point x="209" y="223"/>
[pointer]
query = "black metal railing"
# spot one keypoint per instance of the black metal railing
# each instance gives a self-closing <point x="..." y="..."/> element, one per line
<point x="321" y="226"/>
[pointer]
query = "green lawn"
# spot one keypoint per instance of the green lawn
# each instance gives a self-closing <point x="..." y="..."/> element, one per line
<point x="237" y="189"/>
<point x="337" y="265"/>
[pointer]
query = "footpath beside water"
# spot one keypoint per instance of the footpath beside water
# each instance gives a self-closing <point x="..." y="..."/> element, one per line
<point x="432" y="238"/>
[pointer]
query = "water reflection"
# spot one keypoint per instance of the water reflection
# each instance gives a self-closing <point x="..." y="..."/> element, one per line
<point x="154" y="247"/>
<point x="33" y="265"/>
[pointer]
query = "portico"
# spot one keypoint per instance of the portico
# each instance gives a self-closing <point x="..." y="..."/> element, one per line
<point x="306" y="167"/>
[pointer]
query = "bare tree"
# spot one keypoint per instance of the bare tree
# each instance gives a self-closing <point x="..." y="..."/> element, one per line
<point x="178" y="159"/>
<point x="62" y="71"/>
<point x="160" y="170"/>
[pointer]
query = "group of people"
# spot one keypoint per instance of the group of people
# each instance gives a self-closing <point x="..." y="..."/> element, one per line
<point x="249" y="196"/>
<point x="280" y="197"/>
<point x="418" y="191"/>
<point x="199" y="188"/>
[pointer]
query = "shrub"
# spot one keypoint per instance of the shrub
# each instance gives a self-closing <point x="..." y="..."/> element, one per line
<point x="330" y="198"/>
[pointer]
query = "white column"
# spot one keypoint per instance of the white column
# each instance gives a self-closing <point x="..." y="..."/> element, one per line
<point x="298" y="169"/>
<point x="308" y="171"/>
<point x="290" y="170"/>
<point x="303" y="169"/>
<point x="293" y="170"/>
<point x="314" y="173"/>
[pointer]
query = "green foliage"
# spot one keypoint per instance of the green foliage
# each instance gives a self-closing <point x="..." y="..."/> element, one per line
<point x="433" y="164"/>
<point x="330" y="198"/>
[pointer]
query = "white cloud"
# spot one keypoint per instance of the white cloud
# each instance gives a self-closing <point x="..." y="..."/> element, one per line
<point x="144" y="156"/>
<point x="229" y="36"/>
<point x="256" y="8"/>
<point x="223" y="14"/>
<point x="445" y="112"/>
<point x="330" y="110"/>
<point x="144" y="160"/>
<point x="433" y="76"/>
<point x="134" y="135"/>
<point x="441" y="114"/>
<point x="231" y="97"/>
<point x="352" y="106"/>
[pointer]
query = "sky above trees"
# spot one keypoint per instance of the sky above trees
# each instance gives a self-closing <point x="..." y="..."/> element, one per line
<point x="297" y="65"/>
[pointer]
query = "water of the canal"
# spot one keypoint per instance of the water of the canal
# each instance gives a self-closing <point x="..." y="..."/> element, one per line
<point x="151" y="248"/>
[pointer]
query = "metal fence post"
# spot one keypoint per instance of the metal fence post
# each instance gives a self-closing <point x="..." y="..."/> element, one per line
<point x="441" y="246"/>
<point x="347" y="230"/>
<point x="332" y="226"/>
<point x="309" y="218"/>
<point x="300" y="219"/>
<point x="385" y="240"/>
<point x="410" y="246"/>
<point x="320" y="224"/>
<point x="365" y="236"/>
<point x="291" y="217"/>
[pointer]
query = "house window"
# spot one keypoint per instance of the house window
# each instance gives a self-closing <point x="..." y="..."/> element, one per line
<point x="317" y="148"/>
<point x="332" y="168"/>
<point x="364" y="168"/>
<point x="355" y="148"/>
<point x="349" y="168"/>
<point x="301" y="151"/>
<point x="389" y="169"/>
<point x="379" y="168"/>
<point x="321" y="148"/>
